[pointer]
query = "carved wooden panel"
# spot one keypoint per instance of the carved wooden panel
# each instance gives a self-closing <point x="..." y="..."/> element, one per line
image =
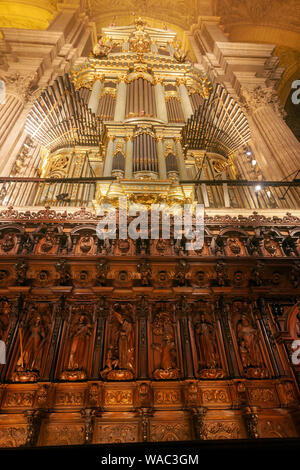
<point x="276" y="427"/>
<point x="220" y="429"/>
<point x="60" y="434"/>
<point x="170" y="431"/>
<point x="117" y="432"/>
<point x="164" y="349"/>
<point x="12" y="436"/>
<point x="76" y="352"/>
<point x="35" y="331"/>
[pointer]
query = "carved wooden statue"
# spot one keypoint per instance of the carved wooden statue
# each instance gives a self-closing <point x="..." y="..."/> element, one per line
<point x="35" y="337"/>
<point x="207" y="347"/>
<point x="120" y="358"/>
<point x="80" y="336"/>
<point x="249" y="350"/>
<point x="164" y="347"/>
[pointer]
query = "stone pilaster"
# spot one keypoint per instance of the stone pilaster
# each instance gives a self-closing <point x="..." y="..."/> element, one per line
<point x="109" y="157"/>
<point x="95" y="95"/>
<point x="180" y="160"/>
<point x="129" y="157"/>
<point x="161" y="159"/>
<point x="120" y="100"/>
<point x="161" y="108"/>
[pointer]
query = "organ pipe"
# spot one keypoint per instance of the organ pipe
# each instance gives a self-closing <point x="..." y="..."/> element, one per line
<point x="144" y="153"/>
<point x="140" y="99"/>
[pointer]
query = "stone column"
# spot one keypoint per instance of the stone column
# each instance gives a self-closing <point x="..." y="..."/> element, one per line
<point x="162" y="171"/>
<point x="185" y="100"/>
<point x="129" y="156"/>
<point x="120" y="100"/>
<point x="13" y="114"/>
<point x="95" y="95"/>
<point x="160" y="102"/>
<point x="109" y="157"/>
<point x="276" y="148"/>
<point x="180" y="160"/>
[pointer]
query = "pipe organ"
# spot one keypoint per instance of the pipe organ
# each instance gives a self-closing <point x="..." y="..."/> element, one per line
<point x="117" y="341"/>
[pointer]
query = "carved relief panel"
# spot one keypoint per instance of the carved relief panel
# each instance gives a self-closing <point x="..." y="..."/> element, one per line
<point x="84" y="242"/>
<point x="78" y="340"/>
<point x="9" y="241"/>
<point x="120" y="343"/>
<point x="164" y="349"/>
<point x="209" y="361"/>
<point x="31" y="355"/>
<point x="248" y="341"/>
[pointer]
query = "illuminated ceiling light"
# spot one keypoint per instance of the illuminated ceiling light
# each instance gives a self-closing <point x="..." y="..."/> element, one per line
<point x="257" y="188"/>
<point x="253" y="162"/>
<point x="269" y="193"/>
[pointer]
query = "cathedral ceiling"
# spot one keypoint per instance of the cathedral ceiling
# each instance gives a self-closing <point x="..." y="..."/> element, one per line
<point x="269" y="21"/>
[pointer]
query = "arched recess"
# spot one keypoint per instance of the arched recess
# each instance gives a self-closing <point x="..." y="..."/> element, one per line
<point x="293" y="323"/>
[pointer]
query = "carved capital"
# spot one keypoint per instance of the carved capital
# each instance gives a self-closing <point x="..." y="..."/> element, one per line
<point x="24" y="87"/>
<point x="259" y="97"/>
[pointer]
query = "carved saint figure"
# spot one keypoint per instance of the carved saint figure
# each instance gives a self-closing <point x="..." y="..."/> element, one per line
<point x="165" y="354"/>
<point x="35" y="339"/>
<point x="123" y="338"/>
<point x="248" y="343"/>
<point x="205" y="342"/>
<point x="79" y="348"/>
<point x="120" y="356"/>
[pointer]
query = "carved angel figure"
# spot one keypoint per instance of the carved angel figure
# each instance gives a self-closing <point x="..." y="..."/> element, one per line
<point x="101" y="49"/>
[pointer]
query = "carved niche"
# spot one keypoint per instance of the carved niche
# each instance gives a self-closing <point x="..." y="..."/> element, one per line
<point x="270" y="246"/>
<point x="35" y="333"/>
<point x="47" y="239"/>
<point x="124" y="247"/>
<point x="9" y="241"/>
<point x="78" y="342"/>
<point x="248" y="341"/>
<point x="234" y="246"/>
<point x="208" y="364"/>
<point x="120" y="358"/>
<point x="85" y="242"/>
<point x="164" y="348"/>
